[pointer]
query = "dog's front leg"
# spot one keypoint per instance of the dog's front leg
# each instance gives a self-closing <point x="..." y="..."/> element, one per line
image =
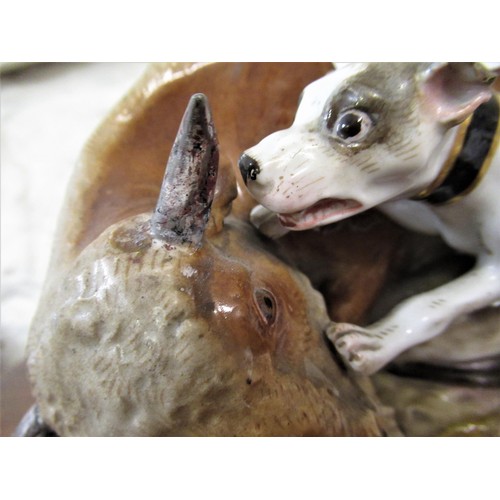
<point x="417" y="319"/>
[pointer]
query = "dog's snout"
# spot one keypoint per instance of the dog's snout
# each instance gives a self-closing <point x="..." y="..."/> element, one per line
<point x="249" y="167"/>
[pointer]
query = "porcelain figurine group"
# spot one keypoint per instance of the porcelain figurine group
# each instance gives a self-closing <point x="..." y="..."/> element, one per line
<point x="191" y="310"/>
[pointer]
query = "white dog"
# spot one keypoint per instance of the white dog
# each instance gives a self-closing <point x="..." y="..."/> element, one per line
<point x="418" y="141"/>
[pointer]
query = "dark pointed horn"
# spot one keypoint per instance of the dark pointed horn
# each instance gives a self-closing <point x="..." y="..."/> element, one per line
<point x="188" y="187"/>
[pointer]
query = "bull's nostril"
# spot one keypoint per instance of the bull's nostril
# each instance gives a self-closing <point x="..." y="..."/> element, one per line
<point x="249" y="168"/>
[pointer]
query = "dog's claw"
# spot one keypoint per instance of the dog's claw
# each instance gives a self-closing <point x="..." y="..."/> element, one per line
<point x="359" y="347"/>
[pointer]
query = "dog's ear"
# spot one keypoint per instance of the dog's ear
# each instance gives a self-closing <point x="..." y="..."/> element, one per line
<point x="452" y="91"/>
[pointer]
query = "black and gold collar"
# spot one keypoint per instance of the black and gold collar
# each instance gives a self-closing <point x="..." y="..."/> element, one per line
<point x="470" y="157"/>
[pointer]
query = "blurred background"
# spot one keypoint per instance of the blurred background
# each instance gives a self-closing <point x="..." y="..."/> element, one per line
<point x="48" y="111"/>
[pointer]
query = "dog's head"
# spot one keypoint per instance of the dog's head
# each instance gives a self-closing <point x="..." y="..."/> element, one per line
<point x="364" y="134"/>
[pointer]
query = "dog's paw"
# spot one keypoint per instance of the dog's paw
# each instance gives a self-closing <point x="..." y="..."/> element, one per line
<point x="360" y="348"/>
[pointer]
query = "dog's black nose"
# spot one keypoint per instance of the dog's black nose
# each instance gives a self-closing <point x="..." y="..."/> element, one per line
<point x="249" y="168"/>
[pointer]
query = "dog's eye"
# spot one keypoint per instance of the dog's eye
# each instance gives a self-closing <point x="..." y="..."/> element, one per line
<point x="352" y="126"/>
<point x="266" y="305"/>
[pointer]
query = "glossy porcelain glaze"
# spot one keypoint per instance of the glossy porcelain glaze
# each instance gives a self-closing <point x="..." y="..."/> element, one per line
<point x="216" y="332"/>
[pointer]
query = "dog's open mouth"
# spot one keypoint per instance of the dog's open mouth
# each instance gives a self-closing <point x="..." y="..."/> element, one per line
<point x="322" y="212"/>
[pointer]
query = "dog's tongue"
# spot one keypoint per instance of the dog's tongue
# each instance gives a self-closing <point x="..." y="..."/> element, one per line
<point x="324" y="211"/>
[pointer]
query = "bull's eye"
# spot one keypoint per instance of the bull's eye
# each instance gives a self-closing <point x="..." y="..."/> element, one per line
<point x="266" y="305"/>
<point x="352" y="126"/>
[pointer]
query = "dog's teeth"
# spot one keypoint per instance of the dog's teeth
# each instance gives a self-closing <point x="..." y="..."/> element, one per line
<point x="319" y="212"/>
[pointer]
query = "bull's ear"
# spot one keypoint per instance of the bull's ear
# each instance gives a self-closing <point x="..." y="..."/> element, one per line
<point x="452" y="91"/>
